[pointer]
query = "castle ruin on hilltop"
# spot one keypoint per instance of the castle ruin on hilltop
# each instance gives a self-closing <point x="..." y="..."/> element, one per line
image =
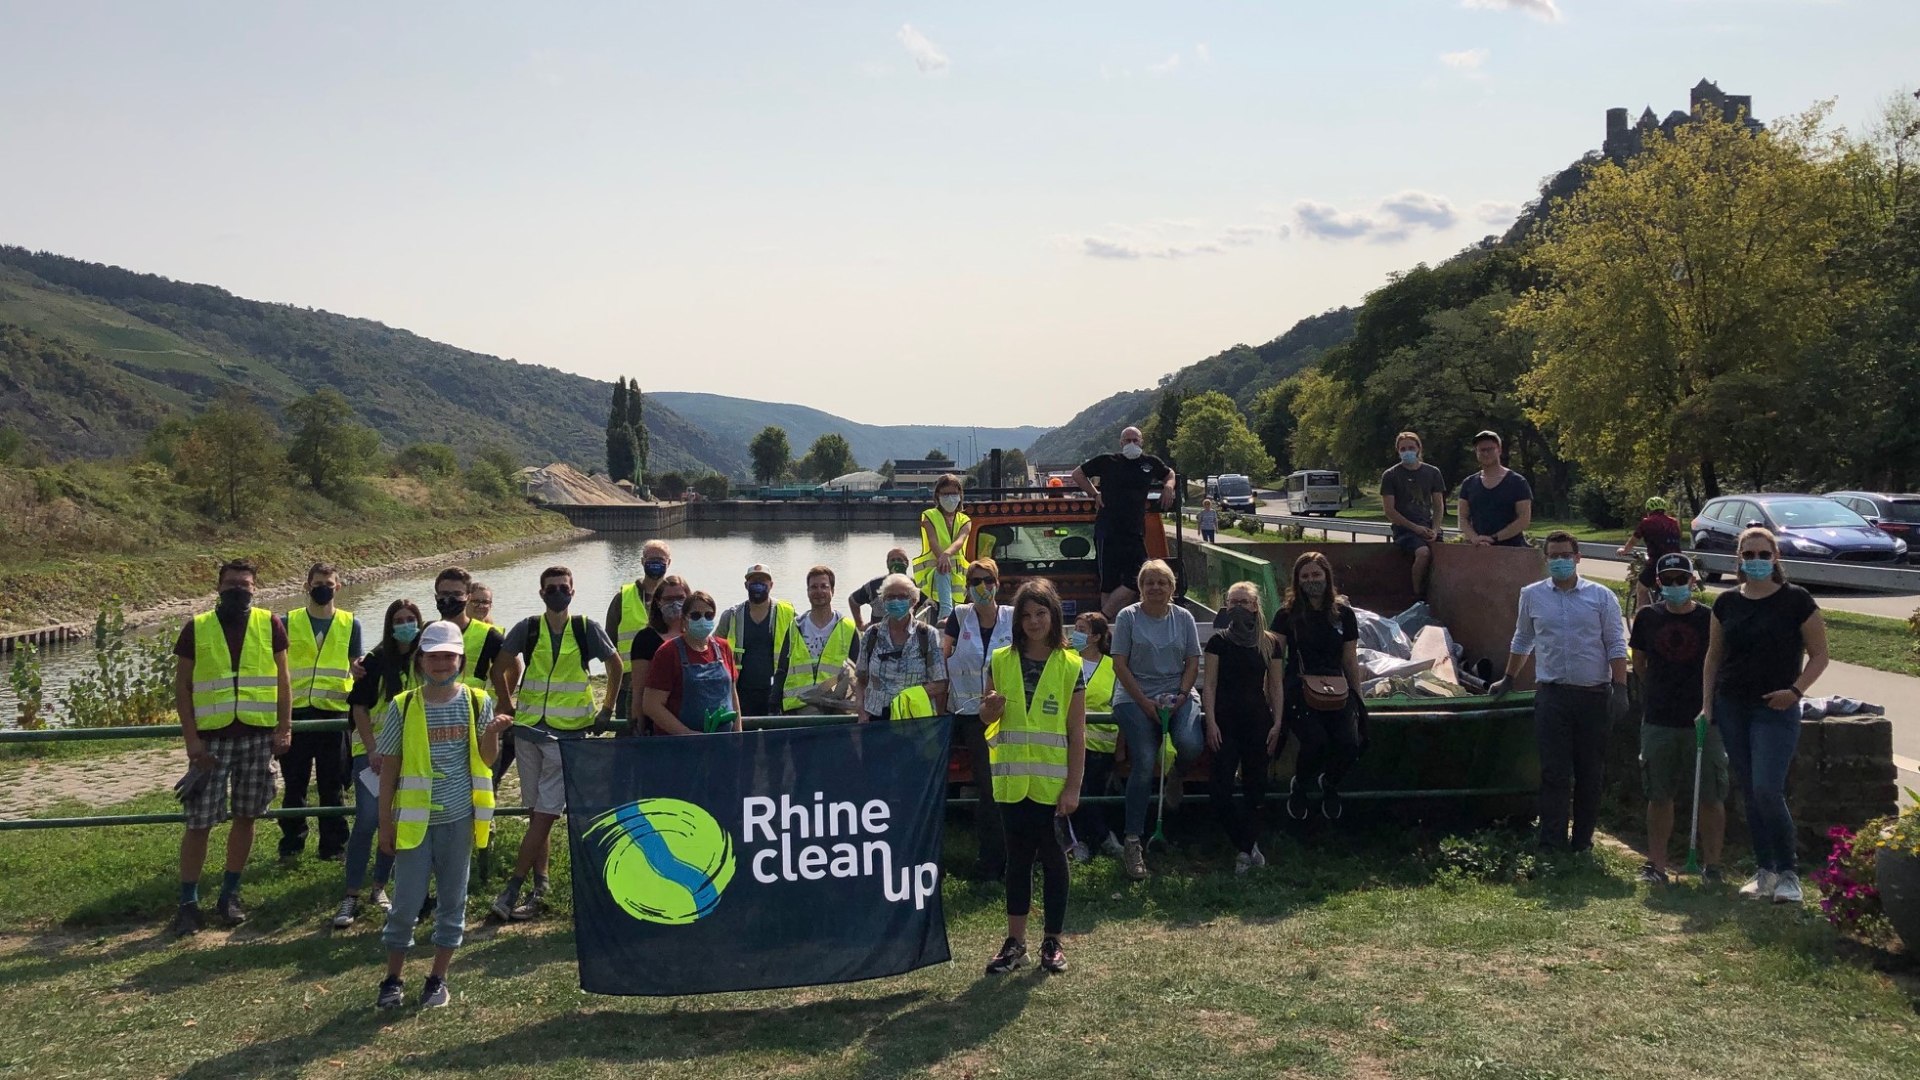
<point x="1623" y="140"/>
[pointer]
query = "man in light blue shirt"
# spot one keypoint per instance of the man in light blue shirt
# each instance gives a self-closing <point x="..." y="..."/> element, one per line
<point x="1573" y="629"/>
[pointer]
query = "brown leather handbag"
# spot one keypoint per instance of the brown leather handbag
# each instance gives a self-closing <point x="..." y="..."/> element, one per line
<point x="1325" y="693"/>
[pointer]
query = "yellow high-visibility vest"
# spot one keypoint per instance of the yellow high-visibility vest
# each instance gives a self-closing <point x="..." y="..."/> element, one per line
<point x="224" y="691"/>
<point x="555" y="687"/>
<point x="933" y="524"/>
<point x="1027" y="746"/>
<point x="413" y="803"/>
<point x="805" y="670"/>
<point x="320" y="671"/>
<point x="1102" y="738"/>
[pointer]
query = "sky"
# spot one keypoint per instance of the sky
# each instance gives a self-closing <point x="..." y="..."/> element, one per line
<point x="887" y="211"/>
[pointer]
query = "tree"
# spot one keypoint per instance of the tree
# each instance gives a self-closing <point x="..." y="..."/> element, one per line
<point x="1213" y="438"/>
<point x="1324" y="414"/>
<point x="427" y="459"/>
<point x="886" y="471"/>
<point x="637" y="423"/>
<point x="11" y="442"/>
<point x="772" y="457"/>
<point x="714" y="485"/>
<point x="670" y="486"/>
<point x="231" y="455"/>
<point x="1013" y="469"/>
<point x="830" y="456"/>
<point x="1273" y="422"/>
<point x="1158" y="433"/>
<point x="500" y="458"/>
<point x="1698" y="269"/>
<point x="329" y="448"/>
<point x="623" y="450"/>
<point x="485" y="479"/>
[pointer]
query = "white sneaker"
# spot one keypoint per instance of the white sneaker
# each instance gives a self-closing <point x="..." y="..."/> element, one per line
<point x="1786" y="888"/>
<point x="380" y="899"/>
<point x="1080" y="853"/>
<point x="1259" y="860"/>
<point x="1760" y="886"/>
<point x="1242" y="862"/>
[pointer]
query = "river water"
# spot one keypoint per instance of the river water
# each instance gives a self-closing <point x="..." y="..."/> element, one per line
<point x="713" y="558"/>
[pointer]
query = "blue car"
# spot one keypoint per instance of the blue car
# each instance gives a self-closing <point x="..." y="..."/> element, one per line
<point x="1805" y="527"/>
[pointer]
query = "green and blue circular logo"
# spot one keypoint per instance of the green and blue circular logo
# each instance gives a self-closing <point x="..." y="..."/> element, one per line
<point x="667" y="861"/>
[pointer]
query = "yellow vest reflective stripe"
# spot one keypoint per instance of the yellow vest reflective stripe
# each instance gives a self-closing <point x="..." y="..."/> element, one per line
<point x="1028" y="744"/>
<point x="633" y="618"/>
<point x="736" y="626"/>
<point x="555" y="687"/>
<point x="805" y="670"/>
<point x="1102" y="738"/>
<point x="911" y="704"/>
<point x="413" y="803"/>
<point x="320" y="671"/>
<point x="473" y="640"/>
<point x="934" y="523"/>
<point x="378" y="714"/>
<point x="223" y="692"/>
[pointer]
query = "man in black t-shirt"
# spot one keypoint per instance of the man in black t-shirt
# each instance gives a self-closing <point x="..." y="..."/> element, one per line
<point x="1120" y="525"/>
<point x="1414" y="497"/>
<point x="1496" y="503"/>
<point x="1669" y="649"/>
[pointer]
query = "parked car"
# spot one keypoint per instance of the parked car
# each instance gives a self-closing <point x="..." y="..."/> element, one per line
<point x="1805" y="526"/>
<point x="1896" y="515"/>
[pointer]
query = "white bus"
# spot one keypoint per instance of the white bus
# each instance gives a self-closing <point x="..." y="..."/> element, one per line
<point x="1316" y="491"/>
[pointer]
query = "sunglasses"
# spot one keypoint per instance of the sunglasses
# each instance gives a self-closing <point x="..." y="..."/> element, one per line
<point x="1766" y="556"/>
<point x="980" y="581"/>
<point x="697" y="614"/>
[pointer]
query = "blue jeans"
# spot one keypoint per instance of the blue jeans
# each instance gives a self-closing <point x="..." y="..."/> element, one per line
<point x="1760" y="745"/>
<point x="366" y="829"/>
<point x="446" y="854"/>
<point x="1141" y="729"/>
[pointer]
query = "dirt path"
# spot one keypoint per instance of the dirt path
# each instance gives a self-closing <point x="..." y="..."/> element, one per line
<point x="94" y="781"/>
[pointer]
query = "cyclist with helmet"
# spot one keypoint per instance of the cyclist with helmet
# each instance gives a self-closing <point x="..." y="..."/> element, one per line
<point x="1660" y="531"/>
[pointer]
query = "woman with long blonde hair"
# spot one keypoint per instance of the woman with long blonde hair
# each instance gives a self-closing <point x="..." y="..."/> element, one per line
<point x="1241" y="700"/>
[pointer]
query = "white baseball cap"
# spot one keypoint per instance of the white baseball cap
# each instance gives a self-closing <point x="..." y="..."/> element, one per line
<point x="442" y="636"/>
<point x="759" y="569"/>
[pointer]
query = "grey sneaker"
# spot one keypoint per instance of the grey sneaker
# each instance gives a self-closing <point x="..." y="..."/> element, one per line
<point x="1786" y="888"/>
<point x="230" y="911"/>
<point x="1242" y="862"/>
<point x="435" y="995"/>
<point x="349" y="911"/>
<point x="504" y="904"/>
<point x="1760" y="886"/>
<point x="1257" y="859"/>
<point x="1012" y="954"/>
<point x="531" y="908"/>
<point x="1110" y="847"/>
<point x="1134" y="860"/>
<point x="1080" y="853"/>
<point x="187" y="920"/>
<point x="1653" y="875"/>
<point x="393" y="994"/>
<point x="380" y="899"/>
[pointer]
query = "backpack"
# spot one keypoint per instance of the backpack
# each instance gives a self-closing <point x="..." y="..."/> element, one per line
<point x="535" y="628"/>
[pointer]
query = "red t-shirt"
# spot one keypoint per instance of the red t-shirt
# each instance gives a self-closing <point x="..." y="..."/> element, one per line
<point x="664" y="674"/>
<point x="1662" y="535"/>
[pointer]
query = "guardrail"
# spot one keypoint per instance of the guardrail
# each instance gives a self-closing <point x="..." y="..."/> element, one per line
<point x="1870" y="578"/>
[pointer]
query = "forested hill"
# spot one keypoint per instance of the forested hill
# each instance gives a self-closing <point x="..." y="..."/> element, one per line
<point x="738" y="420"/>
<point x="1240" y="373"/>
<point x="96" y="355"/>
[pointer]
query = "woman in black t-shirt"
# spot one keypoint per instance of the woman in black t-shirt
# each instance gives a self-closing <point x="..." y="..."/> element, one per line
<point x="1322" y="636"/>
<point x="1241" y="701"/>
<point x="664" y="621"/>
<point x="1752" y="685"/>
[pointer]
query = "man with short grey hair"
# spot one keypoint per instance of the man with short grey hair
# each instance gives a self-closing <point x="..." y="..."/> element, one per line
<point x="1120" y="523"/>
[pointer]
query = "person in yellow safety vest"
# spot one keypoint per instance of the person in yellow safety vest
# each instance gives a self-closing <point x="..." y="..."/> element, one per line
<point x="323" y="645"/>
<point x="630" y="611"/>
<point x="488" y="665"/>
<point x="757" y="633"/>
<point x="1036" y="710"/>
<point x="821" y="644"/>
<point x="898" y="653"/>
<point x="1092" y="828"/>
<point x="234" y="695"/>
<point x="552" y="701"/>
<point x="939" y="570"/>
<point x="386" y="670"/>
<point x="436" y="805"/>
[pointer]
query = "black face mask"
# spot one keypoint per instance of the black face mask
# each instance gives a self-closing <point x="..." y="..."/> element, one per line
<point x="1241" y="627"/>
<point x="557" y="599"/>
<point x="236" y="600"/>
<point x="321" y="594"/>
<point x="449" y="607"/>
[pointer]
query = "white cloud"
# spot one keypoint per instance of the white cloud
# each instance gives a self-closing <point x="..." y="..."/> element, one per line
<point x="1544" y="10"/>
<point x="1171" y="239"/>
<point x="1202" y="53"/>
<point x="1491" y="212"/>
<point x="1166" y="67"/>
<point x="926" y="55"/>
<point x="1395" y="219"/>
<point x="1465" y="59"/>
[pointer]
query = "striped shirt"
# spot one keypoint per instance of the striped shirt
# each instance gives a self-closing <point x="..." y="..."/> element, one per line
<point x="447" y="747"/>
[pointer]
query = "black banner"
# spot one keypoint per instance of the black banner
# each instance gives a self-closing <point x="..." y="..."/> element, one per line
<point x="750" y="861"/>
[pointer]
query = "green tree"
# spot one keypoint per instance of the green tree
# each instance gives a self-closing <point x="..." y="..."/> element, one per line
<point x="232" y="456"/>
<point x="427" y="459"/>
<point x="1273" y="422"/>
<point x="886" y="471"/>
<point x="1160" y="430"/>
<point x="772" y="457"/>
<point x="1684" y="287"/>
<point x="329" y="449"/>
<point x="485" y="479"/>
<point x="1213" y="438"/>
<point x="670" y="486"/>
<point x="1324" y="413"/>
<point x="163" y="442"/>
<point x="831" y="455"/>
<point x="623" y="451"/>
<point x="637" y="423"/>
<point x="11" y="442"/>
<point x="713" y="486"/>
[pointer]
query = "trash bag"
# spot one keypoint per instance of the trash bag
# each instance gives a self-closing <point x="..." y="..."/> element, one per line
<point x="1382" y="634"/>
<point x="1415" y="618"/>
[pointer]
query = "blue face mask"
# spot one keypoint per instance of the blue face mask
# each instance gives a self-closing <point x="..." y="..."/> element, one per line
<point x="700" y="627"/>
<point x="1079" y="639"/>
<point x="656" y="568"/>
<point x="1560" y="569"/>
<point x="757" y="591"/>
<point x="1408" y="457"/>
<point x="982" y="594"/>
<point x="405" y="632"/>
<point x="1676" y="594"/>
<point x="448" y="681"/>
<point x="898" y="607"/>
<point x="1757" y="569"/>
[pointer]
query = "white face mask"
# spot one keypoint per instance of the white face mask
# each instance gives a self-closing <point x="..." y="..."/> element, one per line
<point x="949" y="503"/>
<point x="1130" y="450"/>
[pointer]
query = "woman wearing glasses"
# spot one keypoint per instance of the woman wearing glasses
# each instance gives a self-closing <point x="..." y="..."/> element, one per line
<point x="973" y="632"/>
<point x="1767" y="647"/>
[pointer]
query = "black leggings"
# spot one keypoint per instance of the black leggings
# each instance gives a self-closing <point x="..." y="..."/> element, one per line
<point x="1243" y="749"/>
<point x="1329" y="743"/>
<point x="1029" y="829"/>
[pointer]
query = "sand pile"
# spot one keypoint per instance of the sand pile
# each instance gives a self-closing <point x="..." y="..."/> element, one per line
<point x="562" y="484"/>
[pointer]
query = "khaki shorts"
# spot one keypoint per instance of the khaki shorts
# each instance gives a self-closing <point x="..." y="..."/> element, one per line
<point x="1666" y="764"/>
<point x="543" y="786"/>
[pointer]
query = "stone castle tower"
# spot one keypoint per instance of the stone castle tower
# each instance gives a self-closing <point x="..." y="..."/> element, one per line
<point x="1624" y="140"/>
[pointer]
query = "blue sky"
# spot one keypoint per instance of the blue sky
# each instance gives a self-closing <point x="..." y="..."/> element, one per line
<point x="996" y="212"/>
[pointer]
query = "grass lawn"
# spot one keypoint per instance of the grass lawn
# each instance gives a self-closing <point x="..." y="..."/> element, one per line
<point x="1870" y="641"/>
<point x="1360" y="952"/>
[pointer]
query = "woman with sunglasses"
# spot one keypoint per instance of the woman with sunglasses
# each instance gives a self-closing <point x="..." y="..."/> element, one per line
<point x="690" y="679"/>
<point x="387" y="670"/>
<point x="973" y="632"/>
<point x="1767" y="646"/>
<point x="1241" y="699"/>
<point x="666" y="619"/>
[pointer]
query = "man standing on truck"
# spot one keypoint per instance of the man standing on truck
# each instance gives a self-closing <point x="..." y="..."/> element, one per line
<point x="1120" y="525"/>
<point x="1496" y="503"/>
<point x="1414" y="496"/>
